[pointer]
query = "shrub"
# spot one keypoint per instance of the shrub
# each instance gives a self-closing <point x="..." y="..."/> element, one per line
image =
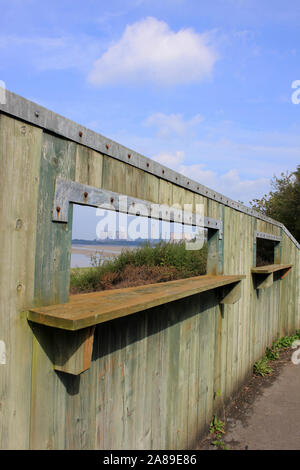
<point x="261" y="367"/>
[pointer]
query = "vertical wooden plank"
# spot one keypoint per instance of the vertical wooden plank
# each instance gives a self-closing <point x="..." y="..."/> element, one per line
<point x="210" y="355"/>
<point x="213" y="252"/>
<point x="53" y="239"/>
<point x="162" y="398"/>
<point x="201" y="200"/>
<point x="114" y="175"/>
<point x="47" y="423"/>
<point x="151" y="188"/>
<point x="80" y="426"/>
<point x="183" y="378"/>
<point x="137" y="393"/>
<point x="20" y="148"/>
<point x="88" y="168"/>
<point x="131" y="386"/>
<point x="219" y="313"/>
<point x="52" y="266"/>
<point x="193" y="379"/>
<point x="229" y="374"/>
<point x="101" y="351"/>
<point x="148" y="346"/>
<point x="135" y="182"/>
<point x="165" y="192"/>
<point x="172" y="379"/>
<point x="157" y="406"/>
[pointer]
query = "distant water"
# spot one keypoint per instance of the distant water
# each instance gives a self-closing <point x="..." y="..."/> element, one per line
<point x="80" y="261"/>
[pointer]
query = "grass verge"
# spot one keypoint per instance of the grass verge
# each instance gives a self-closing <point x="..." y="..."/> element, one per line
<point x="262" y="366"/>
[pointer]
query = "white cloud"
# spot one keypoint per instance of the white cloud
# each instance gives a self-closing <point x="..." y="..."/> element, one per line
<point x="172" y="123"/>
<point x="171" y="160"/>
<point x="228" y="183"/>
<point x="149" y="50"/>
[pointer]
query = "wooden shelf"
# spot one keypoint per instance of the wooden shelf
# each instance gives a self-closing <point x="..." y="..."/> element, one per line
<point x="84" y="310"/>
<point x="263" y="275"/>
<point x="75" y="321"/>
<point x="271" y="268"/>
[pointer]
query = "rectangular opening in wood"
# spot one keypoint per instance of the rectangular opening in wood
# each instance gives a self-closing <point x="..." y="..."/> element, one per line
<point x="112" y="250"/>
<point x="265" y="252"/>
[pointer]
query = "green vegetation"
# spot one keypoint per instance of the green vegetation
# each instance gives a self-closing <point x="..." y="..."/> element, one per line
<point x="283" y="203"/>
<point x="148" y="264"/>
<point x="217" y="427"/>
<point x="262" y="367"/>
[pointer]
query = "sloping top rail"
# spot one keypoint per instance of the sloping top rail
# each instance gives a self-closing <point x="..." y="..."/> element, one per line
<point x="85" y="310"/>
<point x="35" y="114"/>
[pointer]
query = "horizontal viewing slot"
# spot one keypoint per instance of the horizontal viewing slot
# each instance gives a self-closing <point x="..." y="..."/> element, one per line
<point x="85" y="310"/>
<point x="112" y="250"/>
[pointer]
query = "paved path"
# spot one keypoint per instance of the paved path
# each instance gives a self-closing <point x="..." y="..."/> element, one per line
<point x="273" y="421"/>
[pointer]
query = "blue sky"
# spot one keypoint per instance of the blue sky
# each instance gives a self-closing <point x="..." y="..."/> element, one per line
<point x="203" y="87"/>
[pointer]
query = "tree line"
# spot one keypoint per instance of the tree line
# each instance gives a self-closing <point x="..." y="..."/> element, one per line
<point x="283" y="201"/>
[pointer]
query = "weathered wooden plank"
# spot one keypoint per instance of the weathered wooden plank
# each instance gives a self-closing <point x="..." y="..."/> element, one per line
<point x="85" y="310"/>
<point x="151" y="188"/>
<point x="211" y="351"/>
<point x="165" y="193"/>
<point x="183" y="380"/>
<point x="193" y="378"/>
<point x="52" y="266"/>
<point x="159" y="433"/>
<point x="81" y="410"/>
<point x="173" y="378"/>
<point x="47" y="423"/>
<point x="131" y="386"/>
<point x="20" y="147"/>
<point x="148" y="345"/>
<point x="88" y="169"/>
<point x="271" y="268"/>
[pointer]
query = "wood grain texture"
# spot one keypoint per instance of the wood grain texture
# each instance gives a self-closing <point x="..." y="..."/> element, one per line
<point x="20" y="146"/>
<point x="84" y="310"/>
<point x="88" y="166"/>
<point x="271" y="268"/>
<point x="52" y="266"/>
